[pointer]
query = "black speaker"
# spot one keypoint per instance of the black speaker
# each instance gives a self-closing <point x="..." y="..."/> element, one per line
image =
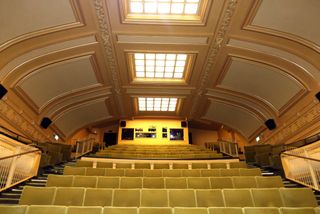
<point x="123" y="123"/>
<point x="318" y="95"/>
<point x="270" y="124"/>
<point x="45" y="122"/>
<point x="3" y="91"/>
<point x="184" y="124"/>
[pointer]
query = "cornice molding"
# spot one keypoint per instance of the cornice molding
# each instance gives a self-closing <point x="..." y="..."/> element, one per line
<point x="17" y="120"/>
<point x="301" y="123"/>
<point x="219" y="41"/>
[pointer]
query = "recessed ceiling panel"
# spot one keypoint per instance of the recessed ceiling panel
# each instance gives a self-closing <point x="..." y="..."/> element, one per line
<point x="81" y="116"/>
<point x="21" y="17"/>
<point x="234" y="117"/>
<point x="298" y="17"/>
<point x="58" y="79"/>
<point x="265" y="82"/>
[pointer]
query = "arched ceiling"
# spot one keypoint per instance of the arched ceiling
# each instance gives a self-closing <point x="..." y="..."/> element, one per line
<point x="72" y="61"/>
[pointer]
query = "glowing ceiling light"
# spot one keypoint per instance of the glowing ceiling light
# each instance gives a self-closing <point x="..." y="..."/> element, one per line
<point x="160" y="65"/>
<point x="157" y="104"/>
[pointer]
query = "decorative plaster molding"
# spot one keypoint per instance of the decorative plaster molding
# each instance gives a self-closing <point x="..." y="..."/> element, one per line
<point x="218" y="42"/>
<point x="106" y="36"/>
<point x="18" y="121"/>
<point x="301" y="123"/>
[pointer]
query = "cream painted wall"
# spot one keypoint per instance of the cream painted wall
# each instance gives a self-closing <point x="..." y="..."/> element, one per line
<point x="158" y="124"/>
<point x="199" y="136"/>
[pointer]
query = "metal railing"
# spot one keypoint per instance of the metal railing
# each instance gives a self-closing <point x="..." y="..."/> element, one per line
<point x="302" y="165"/>
<point x="229" y="148"/>
<point x="84" y="146"/>
<point x="18" y="162"/>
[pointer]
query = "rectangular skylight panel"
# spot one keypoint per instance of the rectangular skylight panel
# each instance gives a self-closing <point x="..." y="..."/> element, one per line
<point x="157" y="104"/>
<point x="164" y="7"/>
<point x="160" y="65"/>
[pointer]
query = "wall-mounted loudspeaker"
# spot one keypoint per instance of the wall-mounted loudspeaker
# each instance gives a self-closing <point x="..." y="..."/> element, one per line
<point x="45" y="122"/>
<point x="318" y="95"/>
<point x="270" y="124"/>
<point x="123" y="123"/>
<point x="184" y="124"/>
<point x="3" y="91"/>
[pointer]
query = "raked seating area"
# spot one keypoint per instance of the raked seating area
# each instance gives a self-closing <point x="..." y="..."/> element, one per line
<point x="159" y="152"/>
<point x="43" y="209"/>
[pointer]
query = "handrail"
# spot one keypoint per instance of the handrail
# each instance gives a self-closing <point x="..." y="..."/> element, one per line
<point x="303" y="157"/>
<point x="302" y="165"/>
<point x="16" y="135"/>
<point x="16" y="155"/>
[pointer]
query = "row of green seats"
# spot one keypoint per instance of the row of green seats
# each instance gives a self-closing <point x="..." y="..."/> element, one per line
<point x="69" y="170"/>
<point x="165" y="183"/>
<point x="41" y="209"/>
<point x="256" y="197"/>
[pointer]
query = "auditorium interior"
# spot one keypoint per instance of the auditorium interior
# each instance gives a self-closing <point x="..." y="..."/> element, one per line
<point x="159" y="107"/>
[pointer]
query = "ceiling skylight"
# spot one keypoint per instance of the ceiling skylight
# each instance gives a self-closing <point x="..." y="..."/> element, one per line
<point x="157" y="104"/>
<point x="160" y="65"/>
<point x="166" y="7"/>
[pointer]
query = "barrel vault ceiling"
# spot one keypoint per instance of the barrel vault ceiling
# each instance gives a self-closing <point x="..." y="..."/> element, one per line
<point x="72" y="61"/>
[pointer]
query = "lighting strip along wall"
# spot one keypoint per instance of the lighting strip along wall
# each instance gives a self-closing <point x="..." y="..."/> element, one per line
<point x="164" y="7"/>
<point x="160" y="65"/>
<point x="157" y="104"/>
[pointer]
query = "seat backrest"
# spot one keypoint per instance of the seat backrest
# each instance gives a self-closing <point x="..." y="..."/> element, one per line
<point x="218" y="165"/>
<point x="291" y="210"/>
<point x="85" y="181"/>
<point x="269" y="181"/>
<point x="69" y="196"/>
<point x="123" y="165"/>
<point x="114" y="172"/>
<point x="221" y="182"/>
<point x="209" y="198"/>
<point x="70" y="170"/>
<point x="250" y="172"/>
<point x="193" y="210"/>
<point x="267" y="197"/>
<point x="126" y="198"/>
<point x="60" y="180"/>
<point x="154" y="198"/>
<point x="238" y="198"/>
<point x="41" y="209"/>
<point x="210" y="172"/>
<point x="191" y="173"/>
<point x="179" y="166"/>
<point x="298" y="197"/>
<point x="83" y="163"/>
<point x="37" y="195"/>
<point x="244" y="182"/>
<point x="230" y="172"/>
<point x="198" y="183"/>
<point x="225" y="210"/>
<point x="199" y="166"/>
<point x="152" y="173"/>
<point x="120" y="210"/>
<point x="155" y="210"/>
<point x="5" y="209"/>
<point x="240" y="164"/>
<point x="261" y="210"/>
<point x="171" y="173"/>
<point x="95" y="171"/>
<point x="142" y="166"/>
<point x="84" y="210"/>
<point x="104" y="165"/>
<point x="176" y="183"/>
<point x="131" y="182"/>
<point x="182" y="198"/>
<point x="133" y="172"/>
<point x="153" y="183"/>
<point x="161" y="166"/>
<point x="98" y="197"/>
<point x="108" y="182"/>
